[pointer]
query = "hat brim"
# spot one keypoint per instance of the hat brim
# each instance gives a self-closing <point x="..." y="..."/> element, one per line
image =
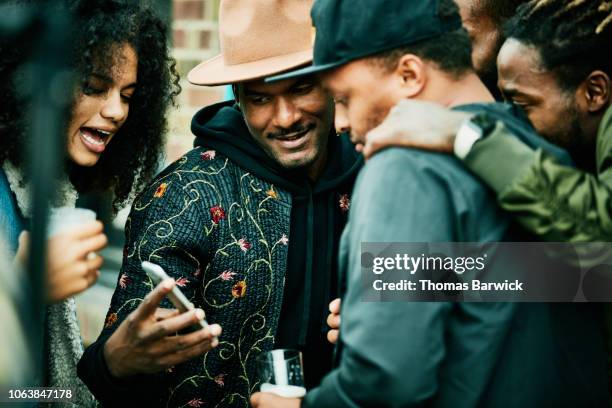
<point x="216" y="72"/>
<point x="311" y="70"/>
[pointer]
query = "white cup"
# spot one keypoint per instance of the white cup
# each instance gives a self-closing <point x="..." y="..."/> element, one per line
<point x="63" y="219"/>
<point x="286" y="391"/>
<point x="281" y="373"/>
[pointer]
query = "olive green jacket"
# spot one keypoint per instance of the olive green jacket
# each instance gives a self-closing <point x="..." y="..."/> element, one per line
<point x="555" y="202"/>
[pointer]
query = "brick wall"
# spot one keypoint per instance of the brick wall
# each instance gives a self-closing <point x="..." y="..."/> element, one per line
<point x="194" y="37"/>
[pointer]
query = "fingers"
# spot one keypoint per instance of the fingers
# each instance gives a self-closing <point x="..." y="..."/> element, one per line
<point x="93" y="263"/>
<point x="380" y="137"/>
<point x="92" y="244"/>
<point x="90" y="270"/>
<point x="80" y="285"/>
<point x="85" y="230"/>
<point x="332" y="336"/>
<point x="161" y="313"/>
<point x="68" y="279"/>
<point x="174" y="324"/>
<point x="186" y="347"/>
<point x="373" y="141"/>
<point x="91" y="277"/>
<point x="151" y="302"/>
<point x="334" y="306"/>
<point x="269" y="400"/>
<point x="333" y="321"/>
<point x="180" y="343"/>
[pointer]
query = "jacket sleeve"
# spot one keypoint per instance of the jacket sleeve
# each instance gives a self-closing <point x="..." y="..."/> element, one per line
<point x="555" y="202"/>
<point x="392" y="351"/>
<point x="166" y="226"/>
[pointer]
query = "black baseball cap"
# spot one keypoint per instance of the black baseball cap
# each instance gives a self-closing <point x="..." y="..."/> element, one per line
<point x="347" y="30"/>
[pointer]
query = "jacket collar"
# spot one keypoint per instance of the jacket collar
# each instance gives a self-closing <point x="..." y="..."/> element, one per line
<point x="66" y="194"/>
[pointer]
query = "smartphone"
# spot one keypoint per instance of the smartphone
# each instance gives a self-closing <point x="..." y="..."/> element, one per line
<point x="178" y="299"/>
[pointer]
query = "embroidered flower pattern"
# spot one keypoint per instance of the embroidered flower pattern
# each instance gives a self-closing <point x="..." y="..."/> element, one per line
<point x="161" y="190"/>
<point x="196" y="402"/>
<point x="220" y="380"/>
<point x="217" y="213"/>
<point x="110" y="320"/>
<point x="345" y="202"/>
<point x="227" y="275"/>
<point x="244" y="244"/>
<point x="271" y="193"/>
<point x="239" y="290"/>
<point x="124" y="281"/>
<point x="182" y="282"/>
<point x="218" y="283"/>
<point x="208" y="155"/>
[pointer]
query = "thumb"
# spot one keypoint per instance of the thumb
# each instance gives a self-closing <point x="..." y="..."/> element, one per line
<point x="255" y="399"/>
<point x="24" y="239"/>
<point x="23" y="248"/>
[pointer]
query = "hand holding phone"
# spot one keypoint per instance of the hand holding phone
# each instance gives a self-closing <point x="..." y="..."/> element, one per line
<point x="152" y="339"/>
<point x="178" y="299"/>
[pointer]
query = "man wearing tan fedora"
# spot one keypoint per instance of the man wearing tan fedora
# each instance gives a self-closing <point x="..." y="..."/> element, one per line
<point x="247" y="224"/>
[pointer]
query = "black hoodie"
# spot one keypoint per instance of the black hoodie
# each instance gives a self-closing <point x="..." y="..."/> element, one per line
<point x="318" y="215"/>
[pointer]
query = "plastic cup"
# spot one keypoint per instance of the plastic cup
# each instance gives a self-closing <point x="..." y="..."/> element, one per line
<point x="281" y="373"/>
<point x="64" y="219"/>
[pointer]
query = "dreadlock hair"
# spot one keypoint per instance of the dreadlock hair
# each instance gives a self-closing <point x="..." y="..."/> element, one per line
<point x="451" y="52"/>
<point x="571" y="36"/>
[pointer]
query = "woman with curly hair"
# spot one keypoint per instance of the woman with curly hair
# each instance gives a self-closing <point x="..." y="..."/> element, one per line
<point x="114" y="139"/>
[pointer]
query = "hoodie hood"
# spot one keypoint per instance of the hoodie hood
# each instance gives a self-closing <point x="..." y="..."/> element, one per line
<point x="222" y="127"/>
<point x="318" y="216"/>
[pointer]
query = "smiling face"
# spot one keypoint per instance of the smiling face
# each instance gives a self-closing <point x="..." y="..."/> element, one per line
<point x="101" y="108"/>
<point x="551" y="109"/>
<point x="290" y="120"/>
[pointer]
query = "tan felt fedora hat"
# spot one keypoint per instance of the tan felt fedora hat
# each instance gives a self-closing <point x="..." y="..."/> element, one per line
<point x="258" y="38"/>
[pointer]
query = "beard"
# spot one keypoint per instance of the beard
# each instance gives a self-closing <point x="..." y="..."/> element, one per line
<point x="572" y="137"/>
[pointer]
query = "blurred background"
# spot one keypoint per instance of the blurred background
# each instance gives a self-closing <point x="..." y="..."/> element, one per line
<point x="193" y="37"/>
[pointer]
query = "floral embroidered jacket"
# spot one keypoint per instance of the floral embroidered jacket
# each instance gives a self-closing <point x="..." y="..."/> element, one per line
<point x="223" y="234"/>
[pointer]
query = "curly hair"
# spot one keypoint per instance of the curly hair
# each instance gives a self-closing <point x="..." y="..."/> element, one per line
<point x="100" y="28"/>
<point x="572" y="36"/>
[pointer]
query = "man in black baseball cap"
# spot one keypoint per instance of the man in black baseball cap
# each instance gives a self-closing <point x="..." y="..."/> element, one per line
<point x="349" y="30"/>
<point x="371" y="54"/>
